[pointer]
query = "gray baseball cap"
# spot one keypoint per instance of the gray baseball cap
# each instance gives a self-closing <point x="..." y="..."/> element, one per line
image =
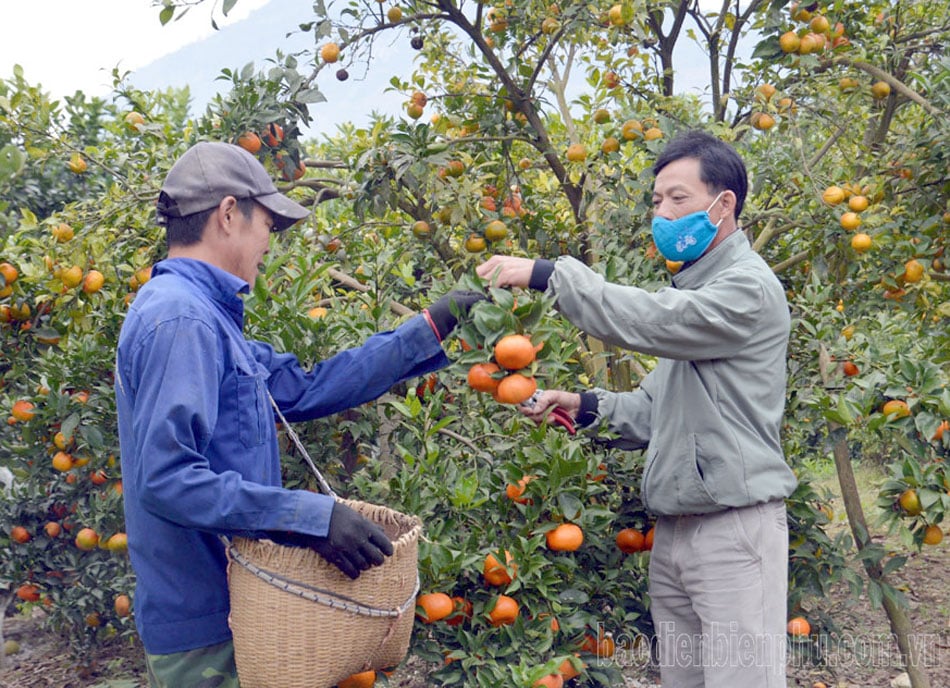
<point x="209" y="171"/>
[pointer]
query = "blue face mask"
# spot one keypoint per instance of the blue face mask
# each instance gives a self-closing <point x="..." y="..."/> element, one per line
<point x="685" y="238"/>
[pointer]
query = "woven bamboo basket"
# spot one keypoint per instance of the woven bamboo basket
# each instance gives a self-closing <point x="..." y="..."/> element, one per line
<point x="298" y="622"/>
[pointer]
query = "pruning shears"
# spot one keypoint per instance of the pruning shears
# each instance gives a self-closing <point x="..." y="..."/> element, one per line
<point x="558" y="415"/>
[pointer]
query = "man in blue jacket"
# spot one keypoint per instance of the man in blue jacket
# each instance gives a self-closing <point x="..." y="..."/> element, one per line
<point x="708" y="416"/>
<point x="197" y="431"/>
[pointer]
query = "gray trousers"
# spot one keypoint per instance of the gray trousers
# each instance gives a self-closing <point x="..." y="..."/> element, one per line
<point x="718" y="587"/>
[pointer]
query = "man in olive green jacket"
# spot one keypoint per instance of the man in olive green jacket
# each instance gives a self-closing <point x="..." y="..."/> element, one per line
<point x="708" y="415"/>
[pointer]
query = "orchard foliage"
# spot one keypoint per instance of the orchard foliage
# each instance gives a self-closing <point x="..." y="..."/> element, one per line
<point x="529" y="128"/>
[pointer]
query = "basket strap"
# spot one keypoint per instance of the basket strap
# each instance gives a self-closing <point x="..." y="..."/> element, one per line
<point x="319" y="595"/>
<point x="324" y="485"/>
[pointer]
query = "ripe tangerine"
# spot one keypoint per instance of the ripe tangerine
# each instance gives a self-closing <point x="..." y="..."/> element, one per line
<point x="630" y="540"/>
<point x="504" y="612"/>
<point x="434" y="606"/>
<point x="799" y="626"/>
<point x="567" y="537"/>
<point x="515" y="389"/>
<point x="514" y="352"/>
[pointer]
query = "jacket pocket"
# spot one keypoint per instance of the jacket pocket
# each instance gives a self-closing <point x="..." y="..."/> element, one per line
<point x="252" y="407"/>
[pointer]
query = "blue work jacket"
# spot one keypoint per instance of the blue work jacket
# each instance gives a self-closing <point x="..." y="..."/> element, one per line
<point x="199" y="444"/>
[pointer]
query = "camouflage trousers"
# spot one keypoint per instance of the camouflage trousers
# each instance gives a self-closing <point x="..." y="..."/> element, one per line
<point x="205" y="667"/>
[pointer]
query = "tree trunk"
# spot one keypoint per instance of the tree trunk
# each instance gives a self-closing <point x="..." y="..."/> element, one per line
<point x="900" y="624"/>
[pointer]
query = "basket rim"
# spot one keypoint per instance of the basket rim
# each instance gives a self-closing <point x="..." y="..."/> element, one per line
<point x="322" y="596"/>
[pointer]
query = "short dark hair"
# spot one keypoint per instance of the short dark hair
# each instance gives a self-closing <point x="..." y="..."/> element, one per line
<point x="188" y="230"/>
<point x="720" y="167"/>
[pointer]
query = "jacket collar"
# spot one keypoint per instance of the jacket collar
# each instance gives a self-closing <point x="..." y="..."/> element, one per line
<point x="701" y="271"/>
<point x="217" y="284"/>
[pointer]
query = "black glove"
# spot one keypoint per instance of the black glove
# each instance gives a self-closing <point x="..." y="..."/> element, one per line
<point x="440" y="312"/>
<point x="353" y="543"/>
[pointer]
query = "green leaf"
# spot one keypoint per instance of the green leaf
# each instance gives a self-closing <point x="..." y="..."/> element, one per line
<point x="166" y="14"/>
<point x="569" y="505"/>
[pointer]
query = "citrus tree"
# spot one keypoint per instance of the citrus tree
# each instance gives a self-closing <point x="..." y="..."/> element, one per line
<point x="530" y="128"/>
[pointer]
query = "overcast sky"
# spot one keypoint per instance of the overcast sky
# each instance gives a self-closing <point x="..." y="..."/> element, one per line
<point x="70" y="45"/>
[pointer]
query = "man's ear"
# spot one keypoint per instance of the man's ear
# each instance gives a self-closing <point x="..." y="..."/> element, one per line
<point x="224" y="214"/>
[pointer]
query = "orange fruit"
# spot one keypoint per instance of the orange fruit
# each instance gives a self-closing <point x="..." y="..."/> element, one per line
<point x="461" y="610"/>
<point x="896" y="407"/>
<point x="631" y="129"/>
<point x="602" y="646"/>
<point x="910" y="502"/>
<point x="550" y="681"/>
<point x="421" y="228"/>
<point x="122" y="605"/>
<point x="568" y="671"/>
<point x="630" y="540"/>
<point x="648" y="539"/>
<point x="363" y="679"/>
<point x="941" y="429"/>
<point x="849" y="369"/>
<point x="861" y="242"/>
<point x="610" y="145"/>
<point x="913" y="271"/>
<point x="53" y="529"/>
<point x="62" y="461"/>
<point x="87" y="539"/>
<point x="880" y="90"/>
<point x="858" y="203"/>
<point x="330" y="52"/>
<point x="653" y="133"/>
<point x="475" y="243"/>
<point x="9" y="273"/>
<point x="20" y="534"/>
<point x="819" y="23"/>
<point x="515" y="389"/>
<point x="850" y="221"/>
<point x="497" y="575"/>
<point x="134" y="120"/>
<point x="504" y="611"/>
<point x="272" y="135"/>
<point x="674" y="266"/>
<point x="71" y="276"/>
<point x="249" y="141"/>
<point x="61" y="441"/>
<point x="577" y="152"/>
<point x="414" y="110"/>
<point x="77" y="164"/>
<point x="601" y="115"/>
<point x="567" y="537"/>
<point x="23" y="410"/>
<point x="28" y="593"/>
<point x="63" y="232"/>
<point x="119" y="542"/>
<point x="480" y="377"/>
<point x="799" y="626"/>
<point x="496" y="230"/>
<point x="766" y="91"/>
<point x="833" y="195"/>
<point x="514" y="492"/>
<point x="433" y="606"/>
<point x="933" y="535"/>
<point x="789" y="42"/>
<point x="93" y="281"/>
<point x="762" y="121"/>
<point x="514" y="351"/>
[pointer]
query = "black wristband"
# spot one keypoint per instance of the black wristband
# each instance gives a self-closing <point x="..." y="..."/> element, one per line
<point x="540" y="274"/>
<point x="588" y="411"/>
